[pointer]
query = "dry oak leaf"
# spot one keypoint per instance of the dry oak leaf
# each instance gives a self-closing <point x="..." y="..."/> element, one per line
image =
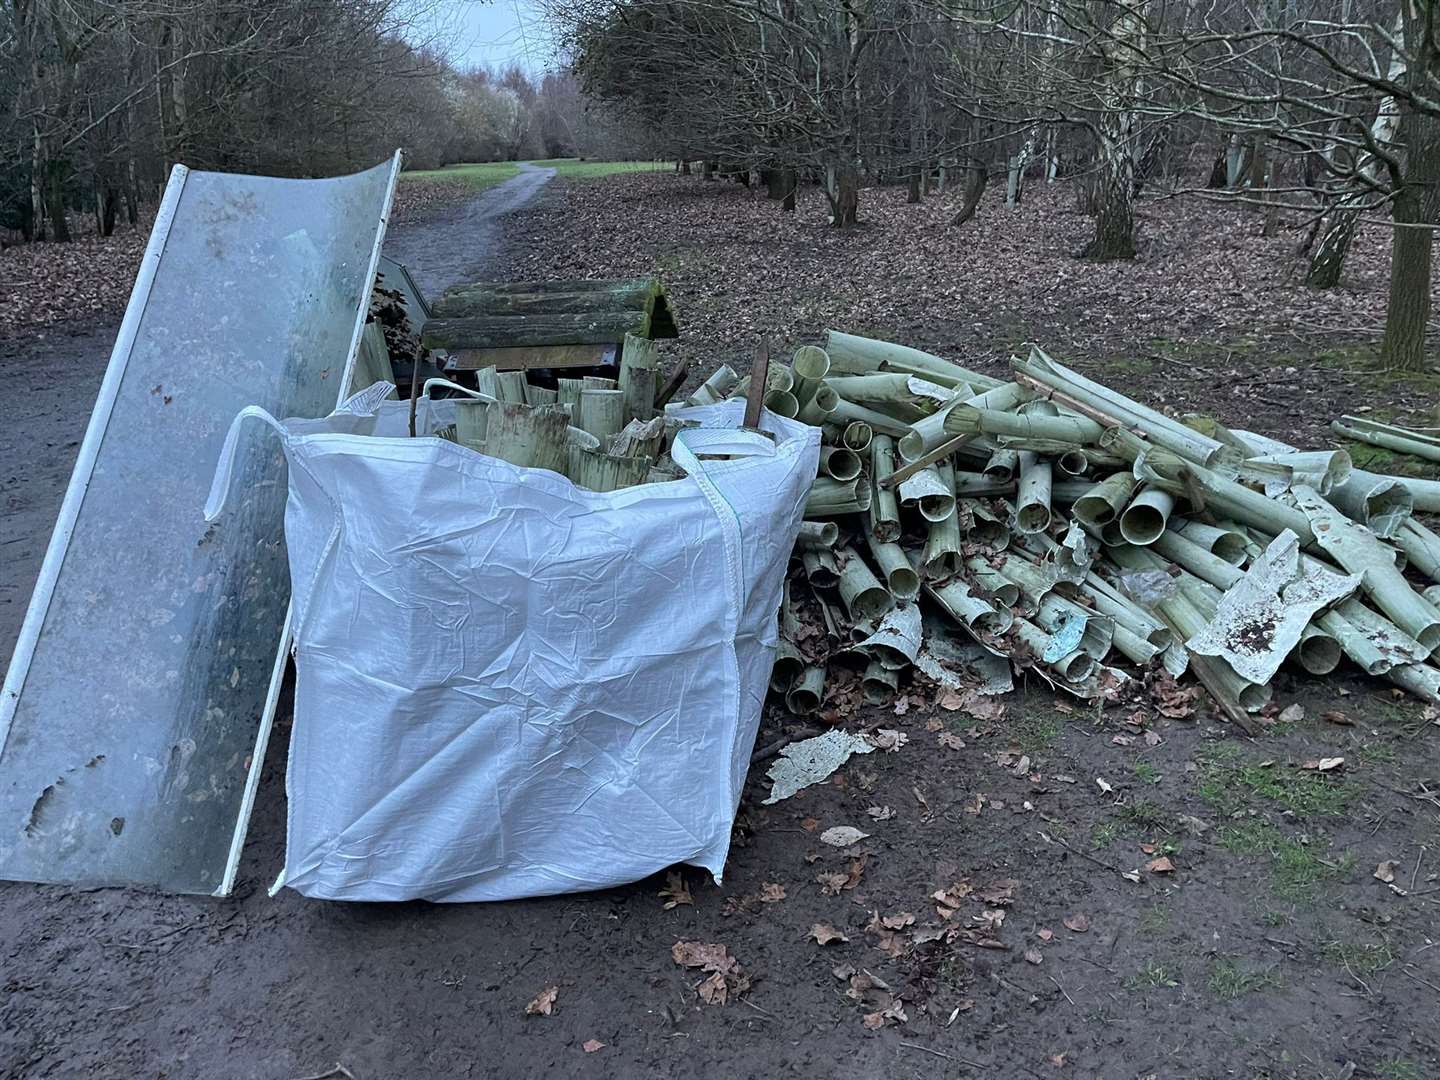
<point x="706" y="957"/>
<point x="1162" y="865"/>
<point x="1001" y="891"/>
<point x="714" y="990"/>
<point x="1033" y="956"/>
<point x="889" y="739"/>
<point x="825" y="934"/>
<point x="1079" y="923"/>
<point x="881" y="813"/>
<point x="771" y="892"/>
<point x="831" y="883"/>
<point x="950" y="741"/>
<point x="1045" y="933"/>
<point x="675" y="891"/>
<point x="1385" y="872"/>
<point x="1324" y="764"/>
<point x="898" y="921"/>
<point x="543" y="1003"/>
<point x="592" y="1045"/>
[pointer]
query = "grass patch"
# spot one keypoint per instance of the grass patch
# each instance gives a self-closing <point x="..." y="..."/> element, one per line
<point x="1153" y="976"/>
<point x="1145" y="816"/>
<point x="1227" y="778"/>
<point x="1228" y="980"/>
<point x="1147" y="773"/>
<point x="574" y="168"/>
<point x="1361" y="958"/>
<point x="1396" y="1069"/>
<point x="1296" y="868"/>
<point x="1033" y="731"/>
<point x="1104" y="834"/>
<point x="481" y="175"/>
<point x="477" y="177"/>
<point x="1154" y="920"/>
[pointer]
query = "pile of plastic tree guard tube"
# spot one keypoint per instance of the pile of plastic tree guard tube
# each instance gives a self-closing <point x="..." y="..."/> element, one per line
<point x="1072" y="531"/>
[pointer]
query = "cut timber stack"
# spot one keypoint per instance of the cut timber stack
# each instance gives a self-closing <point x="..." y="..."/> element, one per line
<point x="546" y="324"/>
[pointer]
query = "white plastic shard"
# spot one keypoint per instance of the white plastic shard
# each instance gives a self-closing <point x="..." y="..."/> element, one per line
<point x="135" y="713"/>
<point x="897" y="639"/>
<point x="811" y="761"/>
<point x="1259" y="620"/>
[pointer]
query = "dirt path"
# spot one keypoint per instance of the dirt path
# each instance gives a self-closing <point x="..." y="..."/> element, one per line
<point x="434" y="250"/>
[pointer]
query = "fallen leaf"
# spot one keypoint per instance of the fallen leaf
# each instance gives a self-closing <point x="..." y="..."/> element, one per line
<point x="1061" y="778"/>
<point x="1385" y="872"/>
<point x="934" y="724"/>
<point x="1337" y="718"/>
<point x="888" y="739"/>
<point x="950" y="741"/>
<point x="1105" y="788"/>
<point x="707" y="957"/>
<point x="543" y="1003"/>
<point x="810" y="824"/>
<point x="1291" y="714"/>
<point x="952" y="701"/>
<point x="842" y="836"/>
<point x="1324" y="764"/>
<point x="676" y="890"/>
<point x="1000" y="891"/>
<point x="1162" y="865"/>
<point x="924" y="806"/>
<point x="1079" y="923"/>
<point x="881" y="813"/>
<point x="975" y="803"/>
<point x="830" y="883"/>
<point x="592" y="1045"/>
<point x="714" y="990"/>
<point x="898" y="921"/>
<point x="1131" y="875"/>
<point x="1152" y="738"/>
<point x="1045" y="933"/>
<point x="771" y="892"/>
<point x="1058" y="1060"/>
<point x="825" y="934"/>
<point x="1033" y="956"/>
<point x="1123" y="740"/>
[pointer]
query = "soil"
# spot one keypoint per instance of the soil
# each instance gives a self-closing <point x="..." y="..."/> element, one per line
<point x="1270" y="949"/>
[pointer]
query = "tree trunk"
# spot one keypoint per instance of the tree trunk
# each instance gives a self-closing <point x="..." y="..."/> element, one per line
<point x="1015" y="181"/>
<point x="55" y="201"/>
<point x="791" y="180"/>
<point x="708" y="169"/>
<point x="684" y="167"/>
<point x="1409" y="311"/>
<point x="1326" y="265"/>
<point x="974" y="188"/>
<point x="912" y="194"/>
<point x="842" y="188"/>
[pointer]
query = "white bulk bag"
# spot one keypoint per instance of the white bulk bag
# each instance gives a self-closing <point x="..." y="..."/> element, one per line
<point x="508" y="686"/>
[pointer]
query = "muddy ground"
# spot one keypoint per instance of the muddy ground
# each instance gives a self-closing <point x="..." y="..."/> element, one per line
<point x="1269" y="950"/>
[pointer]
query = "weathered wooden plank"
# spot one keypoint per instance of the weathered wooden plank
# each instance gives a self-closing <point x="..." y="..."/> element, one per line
<point x="524" y="357"/>
<point x="502" y="331"/>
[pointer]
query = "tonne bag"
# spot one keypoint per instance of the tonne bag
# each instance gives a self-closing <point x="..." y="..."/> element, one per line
<point x="506" y="685"/>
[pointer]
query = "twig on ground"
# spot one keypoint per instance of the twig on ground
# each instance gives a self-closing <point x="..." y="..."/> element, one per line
<point x="336" y="1070"/>
<point x="1061" y="989"/>
<point x="942" y="1054"/>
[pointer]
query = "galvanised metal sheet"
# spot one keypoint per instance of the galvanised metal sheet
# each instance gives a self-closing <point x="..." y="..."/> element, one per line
<point x="134" y="716"/>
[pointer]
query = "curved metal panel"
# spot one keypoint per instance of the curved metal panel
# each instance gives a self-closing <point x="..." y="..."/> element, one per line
<point x="134" y="714"/>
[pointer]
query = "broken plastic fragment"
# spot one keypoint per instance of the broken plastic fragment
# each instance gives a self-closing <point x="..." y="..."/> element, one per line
<point x="810" y="761"/>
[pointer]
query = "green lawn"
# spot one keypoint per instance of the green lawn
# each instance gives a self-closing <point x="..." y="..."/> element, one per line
<point x="477" y="177"/>
<point x="576" y="167"/>
<point x="480" y="176"/>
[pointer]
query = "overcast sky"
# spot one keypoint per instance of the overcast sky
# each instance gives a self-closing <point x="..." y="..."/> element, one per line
<point x="493" y="34"/>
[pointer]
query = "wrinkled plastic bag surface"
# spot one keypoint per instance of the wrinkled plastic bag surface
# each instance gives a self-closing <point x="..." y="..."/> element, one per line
<point x="508" y="686"/>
